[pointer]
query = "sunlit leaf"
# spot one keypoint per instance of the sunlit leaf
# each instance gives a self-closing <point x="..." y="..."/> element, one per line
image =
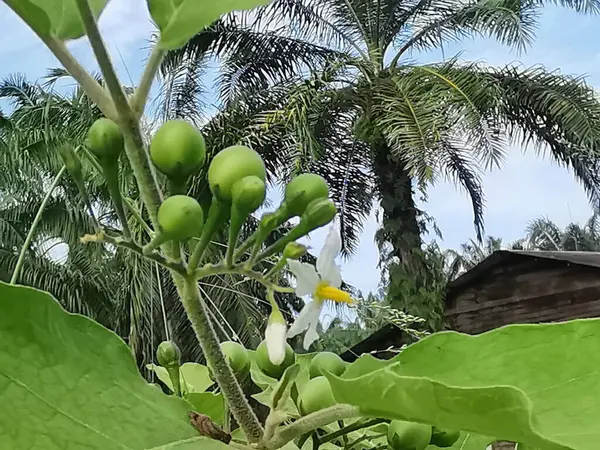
<point x="57" y="18"/>
<point x="68" y="382"/>
<point x="180" y="20"/>
<point x="194" y="377"/>
<point x="209" y="404"/>
<point x="522" y="383"/>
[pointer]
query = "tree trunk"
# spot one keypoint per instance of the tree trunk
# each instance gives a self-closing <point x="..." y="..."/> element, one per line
<point x="400" y="215"/>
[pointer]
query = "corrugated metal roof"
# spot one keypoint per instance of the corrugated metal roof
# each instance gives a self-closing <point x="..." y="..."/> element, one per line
<point x="588" y="259"/>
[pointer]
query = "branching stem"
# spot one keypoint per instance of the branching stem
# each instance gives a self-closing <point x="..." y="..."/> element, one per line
<point x="143" y="90"/>
<point x="311" y="422"/>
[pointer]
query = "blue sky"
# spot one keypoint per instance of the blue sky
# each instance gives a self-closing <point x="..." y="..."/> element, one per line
<point x="527" y="187"/>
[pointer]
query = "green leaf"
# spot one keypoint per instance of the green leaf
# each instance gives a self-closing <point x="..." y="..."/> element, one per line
<point x="179" y="20"/>
<point x="523" y="383"/>
<point x="54" y="18"/>
<point x="209" y="404"/>
<point x="68" y="382"/>
<point x="194" y="377"/>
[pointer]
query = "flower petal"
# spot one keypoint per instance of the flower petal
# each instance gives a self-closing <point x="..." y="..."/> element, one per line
<point x="311" y="335"/>
<point x="275" y="338"/>
<point x="332" y="275"/>
<point x="306" y="277"/>
<point x="330" y="251"/>
<point x="309" y="314"/>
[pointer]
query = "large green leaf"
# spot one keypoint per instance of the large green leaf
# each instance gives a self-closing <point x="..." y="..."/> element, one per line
<point x="180" y="20"/>
<point x="535" y="384"/>
<point x="67" y="382"/>
<point x="194" y="444"/>
<point x="468" y="441"/>
<point x="57" y="18"/>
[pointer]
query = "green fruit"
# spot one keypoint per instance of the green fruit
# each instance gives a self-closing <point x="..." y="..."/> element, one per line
<point x="304" y="189"/>
<point x="105" y="140"/>
<point x="444" y="438"/>
<point x="316" y="395"/>
<point x="180" y="217"/>
<point x="168" y="354"/>
<point x="178" y="149"/>
<point x="231" y="165"/>
<point x="408" y="435"/>
<point x="293" y="250"/>
<point x="237" y="356"/>
<point x="249" y="193"/>
<point x="326" y="362"/>
<point x="319" y="213"/>
<point x="267" y="367"/>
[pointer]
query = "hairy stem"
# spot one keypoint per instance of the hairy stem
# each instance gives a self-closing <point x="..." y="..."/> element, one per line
<point x="143" y="90"/>
<point x="311" y="422"/>
<point x="91" y="87"/>
<point x="134" y="144"/>
<point x="198" y="314"/>
<point x="33" y="227"/>
<point x="99" y="49"/>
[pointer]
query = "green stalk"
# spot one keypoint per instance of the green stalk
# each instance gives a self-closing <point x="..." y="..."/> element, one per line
<point x="217" y="215"/>
<point x="143" y="90"/>
<point x="198" y="314"/>
<point x="351" y="428"/>
<point x="33" y="227"/>
<point x="235" y="226"/>
<point x="111" y="176"/>
<point x="310" y="423"/>
<point x="294" y="234"/>
<point x="175" y="377"/>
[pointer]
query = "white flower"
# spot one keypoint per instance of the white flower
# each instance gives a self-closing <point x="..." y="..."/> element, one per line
<point x="275" y="338"/>
<point x="321" y="284"/>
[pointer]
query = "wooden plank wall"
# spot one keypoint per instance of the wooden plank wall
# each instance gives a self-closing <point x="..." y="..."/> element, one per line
<point x="528" y="292"/>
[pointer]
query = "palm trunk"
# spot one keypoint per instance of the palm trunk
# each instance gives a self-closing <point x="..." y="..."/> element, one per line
<point x="400" y="215"/>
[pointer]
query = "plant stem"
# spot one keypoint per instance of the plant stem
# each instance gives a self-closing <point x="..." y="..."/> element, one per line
<point x="32" y="228"/>
<point x="106" y="66"/>
<point x="218" y="269"/>
<point x="311" y="422"/>
<point x="143" y="90"/>
<point x="197" y="313"/>
<point x="120" y="242"/>
<point x="134" y="144"/>
<point x="354" y="443"/>
<point x="136" y="214"/>
<point x="350" y="428"/>
<point x="91" y="87"/>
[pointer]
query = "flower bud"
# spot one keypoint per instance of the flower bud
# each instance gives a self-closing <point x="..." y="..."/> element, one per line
<point x="319" y="213"/>
<point x="293" y="250"/>
<point x="168" y="354"/>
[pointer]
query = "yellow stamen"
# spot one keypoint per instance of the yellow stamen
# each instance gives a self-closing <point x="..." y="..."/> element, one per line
<point x="327" y="292"/>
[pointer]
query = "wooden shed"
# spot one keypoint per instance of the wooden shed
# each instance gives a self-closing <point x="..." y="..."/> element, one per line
<point x="510" y="287"/>
<point x="524" y="287"/>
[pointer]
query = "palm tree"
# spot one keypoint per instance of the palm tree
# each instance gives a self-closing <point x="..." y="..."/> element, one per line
<point x="347" y="100"/>
<point x="120" y="289"/>
<point x="544" y="234"/>
<point x="470" y="254"/>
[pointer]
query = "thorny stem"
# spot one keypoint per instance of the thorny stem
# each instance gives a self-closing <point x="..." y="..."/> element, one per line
<point x="143" y="90"/>
<point x="91" y="87"/>
<point x="311" y="422"/>
<point x="198" y="314"/>
<point x="106" y="66"/>
<point x="32" y="228"/>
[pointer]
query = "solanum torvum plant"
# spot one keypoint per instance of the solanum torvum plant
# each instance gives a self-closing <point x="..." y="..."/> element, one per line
<point x="67" y="382"/>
